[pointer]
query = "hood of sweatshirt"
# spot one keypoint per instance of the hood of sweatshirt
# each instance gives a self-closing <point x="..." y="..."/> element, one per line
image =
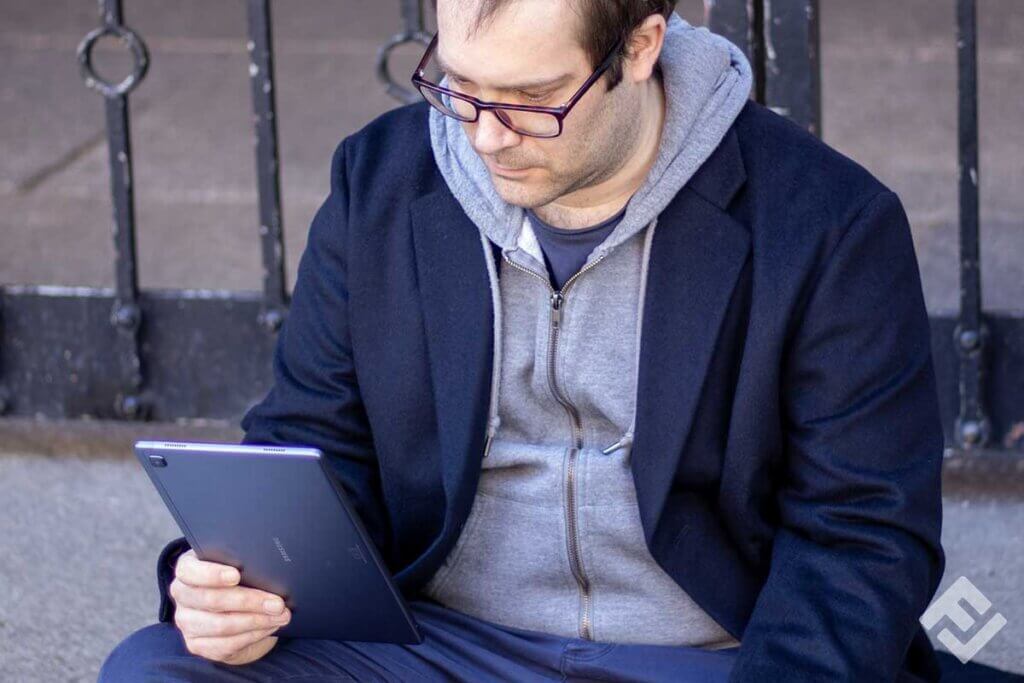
<point x="707" y="81"/>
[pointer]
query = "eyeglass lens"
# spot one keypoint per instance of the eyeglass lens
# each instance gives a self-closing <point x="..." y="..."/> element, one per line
<point x="528" y="122"/>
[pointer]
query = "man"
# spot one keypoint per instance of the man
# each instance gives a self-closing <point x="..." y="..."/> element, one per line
<point x="637" y="388"/>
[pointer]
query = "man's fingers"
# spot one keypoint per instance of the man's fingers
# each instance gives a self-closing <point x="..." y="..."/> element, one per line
<point x="196" y="572"/>
<point x="214" y="587"/>
<point x="199" y="624"/>
<point x="233" y="599"/>
<point x="235" y="649"/>
<point x="253" y="651"/>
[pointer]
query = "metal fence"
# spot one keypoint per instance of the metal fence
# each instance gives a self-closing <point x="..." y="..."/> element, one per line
<point x="122" y="353"/>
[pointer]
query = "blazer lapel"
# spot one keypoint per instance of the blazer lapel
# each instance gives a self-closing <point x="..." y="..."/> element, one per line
<point x="455" y="295"/>
<point x="698" y="253"/>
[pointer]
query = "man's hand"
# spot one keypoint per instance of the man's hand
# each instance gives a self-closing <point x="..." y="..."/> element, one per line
<point x="219" y="619"/>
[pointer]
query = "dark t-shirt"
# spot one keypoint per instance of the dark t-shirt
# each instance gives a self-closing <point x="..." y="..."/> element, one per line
<point x="565" y="250"/>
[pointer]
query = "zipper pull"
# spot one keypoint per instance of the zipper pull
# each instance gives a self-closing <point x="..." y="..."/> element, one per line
<point x="556" y="308"/>
<point x="487" y="444"/>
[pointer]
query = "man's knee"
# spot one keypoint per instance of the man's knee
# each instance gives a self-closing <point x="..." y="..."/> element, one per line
<point x="143" y="655"/>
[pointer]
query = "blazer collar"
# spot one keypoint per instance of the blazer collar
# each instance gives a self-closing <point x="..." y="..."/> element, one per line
<point x="723" y="174"/>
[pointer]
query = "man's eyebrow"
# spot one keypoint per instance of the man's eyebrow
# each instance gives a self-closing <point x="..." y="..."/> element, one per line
<point x="522" y="85"/>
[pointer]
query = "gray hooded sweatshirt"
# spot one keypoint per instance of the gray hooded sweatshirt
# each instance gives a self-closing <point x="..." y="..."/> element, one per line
<point x="554" y="541"/>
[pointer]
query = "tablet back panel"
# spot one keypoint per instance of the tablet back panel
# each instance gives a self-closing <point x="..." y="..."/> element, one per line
<point x="281" y="510"/>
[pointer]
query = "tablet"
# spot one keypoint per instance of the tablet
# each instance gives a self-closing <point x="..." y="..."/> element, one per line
<point x="280" y="517"/>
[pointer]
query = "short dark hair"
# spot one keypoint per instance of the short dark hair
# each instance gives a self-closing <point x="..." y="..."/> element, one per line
<point x="602" y="24"/>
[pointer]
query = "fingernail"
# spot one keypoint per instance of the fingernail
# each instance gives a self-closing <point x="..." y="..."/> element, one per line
<point x="273" y="606"/>
<point x="228" y="575"/>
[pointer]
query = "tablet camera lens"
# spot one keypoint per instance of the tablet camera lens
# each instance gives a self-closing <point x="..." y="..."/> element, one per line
<point x="157" y="461"/>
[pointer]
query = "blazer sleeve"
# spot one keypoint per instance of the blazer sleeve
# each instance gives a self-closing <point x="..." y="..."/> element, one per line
<point x="314" y="399"/>
<point x="857" y="555"/>
<point x="165" y="575"/>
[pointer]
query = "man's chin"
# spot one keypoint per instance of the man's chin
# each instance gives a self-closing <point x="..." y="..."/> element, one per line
<point x="519" y="193"/>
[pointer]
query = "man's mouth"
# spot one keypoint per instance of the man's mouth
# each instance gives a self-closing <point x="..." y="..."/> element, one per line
<point x="508" y="171"/>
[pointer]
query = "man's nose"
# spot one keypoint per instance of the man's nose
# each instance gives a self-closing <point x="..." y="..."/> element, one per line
<point x="492" y="135"/>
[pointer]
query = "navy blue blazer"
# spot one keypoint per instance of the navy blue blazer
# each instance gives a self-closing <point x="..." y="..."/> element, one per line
<point x="788" y="443"/>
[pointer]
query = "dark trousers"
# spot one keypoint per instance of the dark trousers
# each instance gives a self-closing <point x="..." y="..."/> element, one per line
<point x="456" y="646"/>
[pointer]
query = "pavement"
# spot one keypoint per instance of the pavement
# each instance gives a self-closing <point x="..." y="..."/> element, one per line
<point x="81" y="525"/>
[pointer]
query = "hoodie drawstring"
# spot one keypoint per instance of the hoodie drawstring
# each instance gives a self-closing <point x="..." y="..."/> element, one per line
<point x="627" y="439"/>
<point x="493" y="419"/>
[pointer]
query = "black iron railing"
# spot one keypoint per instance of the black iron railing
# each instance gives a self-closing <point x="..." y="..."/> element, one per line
<point x="124" y="353"/>
<point x="972" y="427"/>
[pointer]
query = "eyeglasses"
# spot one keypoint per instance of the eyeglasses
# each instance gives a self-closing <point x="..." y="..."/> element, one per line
<point x="524" y="119"/>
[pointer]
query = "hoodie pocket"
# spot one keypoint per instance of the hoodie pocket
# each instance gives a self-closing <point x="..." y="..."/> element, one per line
<point x="435" y="587"/>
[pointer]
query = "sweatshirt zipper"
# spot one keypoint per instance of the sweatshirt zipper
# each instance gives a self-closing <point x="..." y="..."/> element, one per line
<point x="557" y="300"/>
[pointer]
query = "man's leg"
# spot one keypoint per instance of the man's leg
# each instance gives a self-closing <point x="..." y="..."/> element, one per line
<point x="456" y="646"/>
<point x="585" y="661"/>
<point x="470" y="649"/>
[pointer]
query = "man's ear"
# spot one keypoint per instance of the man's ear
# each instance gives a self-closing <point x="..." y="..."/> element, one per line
<point x="644" y="47"/>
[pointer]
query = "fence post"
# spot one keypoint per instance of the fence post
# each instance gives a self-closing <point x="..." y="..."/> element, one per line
<point x="972" y="428"/>
<point x="792" y="67"/>
<point x="268" y="176"/>
<point x="126" y="313"/>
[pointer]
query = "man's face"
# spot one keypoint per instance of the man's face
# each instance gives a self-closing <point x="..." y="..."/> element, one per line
<point x="529" y="54"/>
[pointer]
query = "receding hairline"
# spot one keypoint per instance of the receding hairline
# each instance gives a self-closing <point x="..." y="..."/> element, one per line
<point x="483" y="12"/>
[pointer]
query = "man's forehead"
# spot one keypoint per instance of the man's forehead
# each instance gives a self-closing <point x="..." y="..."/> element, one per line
<point x="514" y="49"/>
<point x="522" y="79"/>
<point x="551" y="19"/>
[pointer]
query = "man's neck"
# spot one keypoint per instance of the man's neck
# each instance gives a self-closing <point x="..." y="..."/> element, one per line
<point x="594" y="204"/>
